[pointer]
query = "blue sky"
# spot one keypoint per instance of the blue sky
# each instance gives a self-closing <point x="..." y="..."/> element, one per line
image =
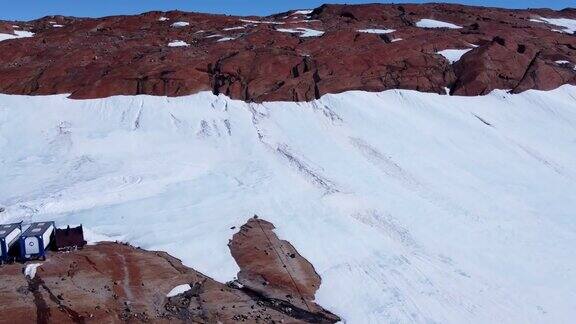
<point x="31" y="9"/>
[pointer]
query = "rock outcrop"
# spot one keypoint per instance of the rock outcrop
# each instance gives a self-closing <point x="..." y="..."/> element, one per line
<point x="114" y="283"/>
<point x="292" y="56"/>
<point x="273" y="268"/>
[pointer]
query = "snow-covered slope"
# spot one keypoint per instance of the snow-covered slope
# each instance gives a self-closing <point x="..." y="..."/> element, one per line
<point x="412" y="207"/>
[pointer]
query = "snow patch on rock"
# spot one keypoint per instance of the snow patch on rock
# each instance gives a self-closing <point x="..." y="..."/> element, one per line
<point x="178" y="290"/>
<point x="30" y="270"/>
<point x="178" y="43"/>
<point x="304" y="32"/>
<point x="234" y="28"/>
<point x="225" y="39"/>
<point x="377" y="31"/>
<point x="180" y="24"/>
<point x="564" y="62"/>
<point x="302" y="12"/>
<point x="262" y="22"/>
<point x="453" y="55"/>
<point x="431" y="23"/>
<point x="17" y="34"/>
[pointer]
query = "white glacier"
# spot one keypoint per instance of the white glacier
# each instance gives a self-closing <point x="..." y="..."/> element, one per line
<point x="413" y="207"/>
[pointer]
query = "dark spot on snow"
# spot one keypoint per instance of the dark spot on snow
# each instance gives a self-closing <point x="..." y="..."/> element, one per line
<point x="483" y="121"/>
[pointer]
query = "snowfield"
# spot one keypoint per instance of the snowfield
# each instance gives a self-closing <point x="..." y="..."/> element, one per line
<point x="17" y="34"/>
<point x="413" y="207"/>
<point x="178" y="43"/>
<point x="569" y="25"/>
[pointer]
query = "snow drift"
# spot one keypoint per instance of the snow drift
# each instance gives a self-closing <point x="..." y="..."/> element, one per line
<point x="412" y="207"/>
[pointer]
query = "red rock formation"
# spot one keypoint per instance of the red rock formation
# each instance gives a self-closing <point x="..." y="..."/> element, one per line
<point x="273" y="268"/>
<point x="6" y="28"/>
<point x="128" y="55"/>
<point x="114" y="283"/>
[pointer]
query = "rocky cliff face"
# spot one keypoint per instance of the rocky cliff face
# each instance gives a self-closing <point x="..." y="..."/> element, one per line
<point x="294" y="56"/>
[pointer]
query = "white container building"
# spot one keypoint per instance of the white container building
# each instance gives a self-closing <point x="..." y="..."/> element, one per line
<point x="9" y="236"/>
<point x="36" y="239"/>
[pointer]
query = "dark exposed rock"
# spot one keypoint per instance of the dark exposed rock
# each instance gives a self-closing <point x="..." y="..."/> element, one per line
<point x="273" y="268"/>
<point x="128" y="55"/>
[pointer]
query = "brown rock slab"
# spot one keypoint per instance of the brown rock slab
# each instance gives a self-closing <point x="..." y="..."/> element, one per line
<point x="272" y="267"/>
<point x="117" y="283"/>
